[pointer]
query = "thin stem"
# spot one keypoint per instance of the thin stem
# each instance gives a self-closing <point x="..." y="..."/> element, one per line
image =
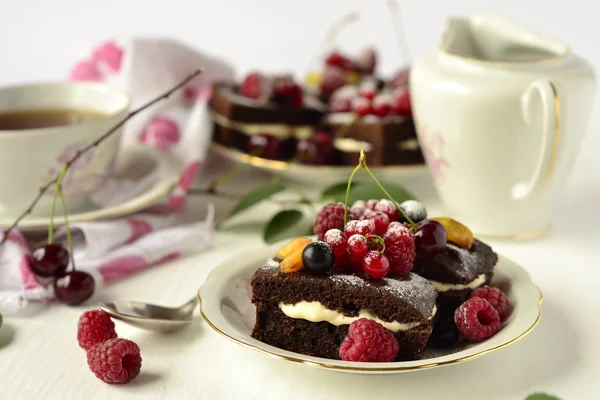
<point x="377" y="239"/>
<point x="348" y="192"/>
<point x="51" y="224"/>
<point x="95" y="143"/>
<point x="63" y="205"/>
<point x="410" y="221"/>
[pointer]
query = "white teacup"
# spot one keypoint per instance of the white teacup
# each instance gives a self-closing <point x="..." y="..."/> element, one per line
<point x="30" y="158"/>
<point x="501" y="113"/>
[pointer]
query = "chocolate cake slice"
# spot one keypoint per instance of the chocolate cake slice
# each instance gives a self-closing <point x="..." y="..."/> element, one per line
<point x="310" y="313"/>
<point x="389" y="140"/>
<point x="455" y="272"/>
<point x="237" y="117"/>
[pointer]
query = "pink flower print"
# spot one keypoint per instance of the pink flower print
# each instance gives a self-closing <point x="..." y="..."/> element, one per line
<point x="85" y="70"/>
<point x="110" y="53"/>
<point x="121" y="267"/>
<point x="18" y="238"/>
<point x="27" y="276"/>
<point x="189" y="93"/>
<point x="188" y="175"/>
<point x="168" y="257"/>
<point x="138" y="227"/>
<point x="432" y="146"/>
<point x="176" y="202"/>
<point x="162" y="133"/>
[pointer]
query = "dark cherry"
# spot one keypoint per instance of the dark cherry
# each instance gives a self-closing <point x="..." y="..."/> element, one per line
<point x="316" y="150"/>
<point x="265" y="145"/>
<point x="318" y="257"/>
<point x="287" y="92"/>
<point x="430" y="238"/>
<point x="49" y="260"/>
<point x="74" y="287"/>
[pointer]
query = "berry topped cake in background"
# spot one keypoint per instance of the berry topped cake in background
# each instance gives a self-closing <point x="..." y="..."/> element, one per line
<point x="265" y="116"/>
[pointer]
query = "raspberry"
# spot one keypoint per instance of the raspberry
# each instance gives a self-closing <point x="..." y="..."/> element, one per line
<point x="363" y="228"/>
<point x="358" y="208"/>
<point x="336" y="239"/>
<point x="495" y="297"/>
<point x="369" y="341"/>
<point x="375" y="264"/>
<point x="371" y="204"/>
<point x="380" y="219"/>
<point x="387" y="207"/>
<point x="94" y="327"/>
<point x="333" y="79"/>
<point x="402" y="104"/>
<point x="400" y="249"/>
<point x="335" y="59"/>
<point x="477" y="320"/>
<point x="115" y="361"/>
<point x="361" y="106"/>
<point x="357" y="248"/>
<point x="366" y="61"/>
<point x="253" y="85"/>
<point x="330" y="216"/>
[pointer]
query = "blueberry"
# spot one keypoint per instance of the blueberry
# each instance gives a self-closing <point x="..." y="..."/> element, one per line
<point x="318" y="257"/>
<point x="414" y="209"/>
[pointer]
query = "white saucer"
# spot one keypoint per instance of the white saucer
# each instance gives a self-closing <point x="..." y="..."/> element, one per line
<point x="226" y="306"/>
<point x="134" y="163"/>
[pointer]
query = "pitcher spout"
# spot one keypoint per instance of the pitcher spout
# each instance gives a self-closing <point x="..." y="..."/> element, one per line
<point x="489" y="37"/>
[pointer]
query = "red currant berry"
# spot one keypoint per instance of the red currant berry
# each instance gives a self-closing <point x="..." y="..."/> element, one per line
<point x="430" y="238"/>
<point x="74" y="287"/>
<point x="382" y="104"/>
<point x="336" y="239"/>
<point x="49" y="260"/>
<point x="402" y="104"/>
<point x="357" y="247"/>
<point x="361" y="106"/>
<point x="380" y="220"/>
<point x="264" y="145"/>
<point x="368" y="89"/>
<point x="375" y="264"/>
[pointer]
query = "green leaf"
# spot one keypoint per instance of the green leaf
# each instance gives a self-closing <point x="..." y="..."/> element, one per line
<point x="369" y="190"/>
<point x="541" y="396"/>
<point x="255" y="196"/>
<point x="283" y="225"/>
<point x="337" y="191"/>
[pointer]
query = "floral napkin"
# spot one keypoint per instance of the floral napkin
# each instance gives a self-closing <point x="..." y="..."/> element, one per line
<point x="180" y="125"/>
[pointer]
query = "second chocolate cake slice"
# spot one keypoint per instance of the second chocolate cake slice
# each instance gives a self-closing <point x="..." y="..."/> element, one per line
<point x="310" y="314"/>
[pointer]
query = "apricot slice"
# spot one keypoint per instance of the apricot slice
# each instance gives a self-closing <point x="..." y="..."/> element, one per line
<point x="293" y="261"/>
<point x="287" y="248"/>
<point x="457" y="233"/>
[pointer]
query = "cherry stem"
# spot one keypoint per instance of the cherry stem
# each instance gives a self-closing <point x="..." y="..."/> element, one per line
<point x="92" y="145"/>
<point x="348" y="192"/>
<point x="389" y="196"/>
<point x="376" y="239"/>
<point x="51" y="224"/>
<point x="63" y="205"/>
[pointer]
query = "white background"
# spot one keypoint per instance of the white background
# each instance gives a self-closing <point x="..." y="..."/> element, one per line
<point x="40" y="39"/>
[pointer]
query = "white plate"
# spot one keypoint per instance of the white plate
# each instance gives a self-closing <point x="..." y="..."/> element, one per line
<point x="226" y="306"/>
<point x="134" y="163"/>
<point x="408" y="175"/>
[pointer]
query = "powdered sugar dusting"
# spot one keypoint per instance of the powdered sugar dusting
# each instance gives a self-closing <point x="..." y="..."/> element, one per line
<point x="334" y="237"/>
<point x="411" y="289"/>
<point x="469" y="261"/>
<point x="271" y="264"/>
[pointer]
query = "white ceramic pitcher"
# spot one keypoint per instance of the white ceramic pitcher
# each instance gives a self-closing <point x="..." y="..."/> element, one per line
<point x="501" y="112"/>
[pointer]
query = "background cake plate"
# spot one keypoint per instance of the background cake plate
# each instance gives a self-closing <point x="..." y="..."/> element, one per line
<point x="408" y="175"/>
<point x="227" y="308"/>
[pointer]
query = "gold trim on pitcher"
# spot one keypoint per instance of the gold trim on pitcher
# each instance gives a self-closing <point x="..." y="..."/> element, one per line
<point x="556" y="134"/>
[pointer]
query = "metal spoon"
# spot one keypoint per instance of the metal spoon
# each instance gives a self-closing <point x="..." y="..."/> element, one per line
<point x="150" y="316"/>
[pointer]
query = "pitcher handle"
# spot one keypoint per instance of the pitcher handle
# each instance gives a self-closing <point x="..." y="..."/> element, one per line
<point x="549" y="135"/>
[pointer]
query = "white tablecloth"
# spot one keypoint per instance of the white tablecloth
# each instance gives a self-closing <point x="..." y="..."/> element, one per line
<point x="40" y="358"/>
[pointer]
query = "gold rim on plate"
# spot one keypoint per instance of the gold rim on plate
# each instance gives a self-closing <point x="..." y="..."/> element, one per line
<point x="260" y="162"/>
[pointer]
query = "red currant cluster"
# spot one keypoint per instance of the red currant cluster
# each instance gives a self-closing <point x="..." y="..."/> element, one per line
<point x="380" y="238"/>
<point x="341" y="70"/>
<point x="368" y="99"/>
<point x="281" y="89"/>
<point x="50" y="261"/>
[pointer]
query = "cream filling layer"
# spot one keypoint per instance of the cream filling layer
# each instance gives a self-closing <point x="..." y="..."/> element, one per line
<point x="282" y="131"/>
<point x="314" y="311"/>
<point x="446" y="287"/>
